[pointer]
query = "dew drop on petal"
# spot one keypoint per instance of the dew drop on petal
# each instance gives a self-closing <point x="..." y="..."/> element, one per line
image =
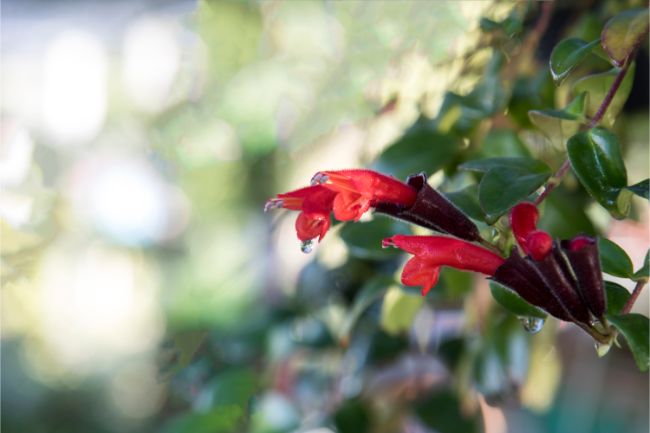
<point x="306" y="246"/>
<point x="532" y="324"/>
<point x="319" y="179"/>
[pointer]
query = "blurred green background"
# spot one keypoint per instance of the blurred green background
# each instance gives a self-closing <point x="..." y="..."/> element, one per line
<point x="143" y="288"/>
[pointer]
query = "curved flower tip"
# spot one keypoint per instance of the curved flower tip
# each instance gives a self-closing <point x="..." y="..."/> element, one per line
<point x="579" y="242"/>
<point x="314" y="202"/>
<point x="358" y="190"/>
<point x="432" y="252"/>
<point x="539" y="244"/>
<point x="523" y="221"/>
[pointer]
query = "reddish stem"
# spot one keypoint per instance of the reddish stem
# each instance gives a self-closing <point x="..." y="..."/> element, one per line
<point x="600" y="113"/>
<point x="633" y="297"/>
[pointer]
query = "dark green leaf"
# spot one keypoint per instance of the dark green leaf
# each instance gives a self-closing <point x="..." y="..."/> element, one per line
<point x="526" y="164"/>
<point x="597" y="85"/>
<point x="352" y="417"/>
<point x="624" y="33"/>
<point x="502" y="188"/>
<point x="467" y="201"/>
<point x="596" y="159"/>
<point x="371" y="292"/>
<point x="644" y="272"/>
<point x="514" y="303"/>
<point x="617" y="296"/>
<point x="442" y="413"/>
<point x="567" y="55"/>
<point x="634" y="327"/>
<point x="364" y="239"/>
<point x="421" y="148"/>
<point x="613" y="259"/>
<point x="641" y="189"/>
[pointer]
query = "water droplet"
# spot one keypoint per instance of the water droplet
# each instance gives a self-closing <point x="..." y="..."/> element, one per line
<point x="306" y="246"/>
<point x="273" y="203"/>
<point x="532" y="324"/>
<point x="319" y="178"/>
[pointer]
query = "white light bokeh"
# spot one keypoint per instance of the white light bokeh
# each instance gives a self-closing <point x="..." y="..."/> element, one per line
<point x="125" y="199"/>
<point x="152" y="56"/>
<point x="75" y="88"/>
<point x="98" y="305"/>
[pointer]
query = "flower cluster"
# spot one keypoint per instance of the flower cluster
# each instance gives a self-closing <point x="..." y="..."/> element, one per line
<point x="563" y="278"/>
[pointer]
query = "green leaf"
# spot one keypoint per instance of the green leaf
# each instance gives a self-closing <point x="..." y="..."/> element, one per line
<point x="617" y="297"/>
<point x="484" y="165"/>
<point x="624" y="33"/>
<point x="442" y="412"/>
<point x="567" y="55"/>
<point x="596" y="159"/>
<point x="634" y="327"/>
<point x="371" y="292"/>
<point x="644" y="272"/>
<point x="221" y="420"/>
<point x="597" y="85"/>
<point x="613" y="259"/>
<point x="514" y="303"/>
<point x="502" y="188"/>
<point x="364" y="239"/>
<point x="353" y="416"/>
<point x="503" y="142"/>
<point x="467" y="201"/>
<point x="559" y="125"/>
<point x="399" y="310"/>
<point x="421" y="148"/>
<point x="641" y="189"/>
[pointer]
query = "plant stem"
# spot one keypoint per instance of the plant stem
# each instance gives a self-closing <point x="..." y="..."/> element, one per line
<point x="556" y="179"/>
<point x="635" y="294"/>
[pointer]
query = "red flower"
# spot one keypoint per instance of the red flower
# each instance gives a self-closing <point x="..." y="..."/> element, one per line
<point x="349" y="193"/>
<point x="359" y="190"/>
<point x="432" y="252"/>
<point x="523" y="220"/>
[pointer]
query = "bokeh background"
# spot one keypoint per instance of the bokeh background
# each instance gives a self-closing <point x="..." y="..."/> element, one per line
<point x="143" y="287"/>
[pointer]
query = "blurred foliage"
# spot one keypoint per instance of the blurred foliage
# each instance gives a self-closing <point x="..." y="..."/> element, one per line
<point x="256" y="337"/>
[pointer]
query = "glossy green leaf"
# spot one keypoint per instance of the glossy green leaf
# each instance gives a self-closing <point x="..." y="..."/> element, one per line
<point x="617" y="296"/>
<point x="596" y="159"/>
<point x="502" y="188"/>
<point x="467" y="201"/>
<point x="597" y="85"/>
<point x="567" y="55"/>
<point x="364" y="239"/>
<point x="559" y="125"/>
<point x="421" y="148"/>
<point x="624" y="33"/>
<point x="514" y="303"/>
<point x="641" y="189"/>
<point x="613" y="259"/>
<point x="644" y="272"/>
<point x="398" y="310"/>
<point x="635" y="328"/>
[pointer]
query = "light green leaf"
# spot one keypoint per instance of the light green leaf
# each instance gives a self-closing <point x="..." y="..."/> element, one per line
<point x="567" y="55"/>
<point x="399" y="310"/>
<point x="624" y="33"/>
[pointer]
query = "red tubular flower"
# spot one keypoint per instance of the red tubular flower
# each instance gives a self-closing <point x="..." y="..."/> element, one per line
<point x="432" y="252"/>
<point x="358" y="190"/>
<point x="348" y="193"/>
<point x="523" y="220"/>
